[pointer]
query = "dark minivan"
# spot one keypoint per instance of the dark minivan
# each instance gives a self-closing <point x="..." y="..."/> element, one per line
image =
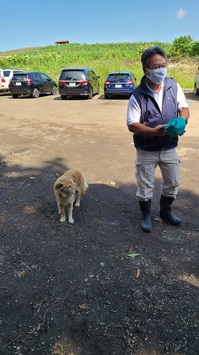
<point x="78" y="82"/>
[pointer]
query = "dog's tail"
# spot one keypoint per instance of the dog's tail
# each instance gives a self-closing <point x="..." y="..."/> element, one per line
<point x="85" y="186"/>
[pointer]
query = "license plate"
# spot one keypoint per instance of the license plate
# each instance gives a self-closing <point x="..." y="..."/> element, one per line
<point x="118" y="86"/>
<point x="72" y="84"/>
<point x="18" y="84"/>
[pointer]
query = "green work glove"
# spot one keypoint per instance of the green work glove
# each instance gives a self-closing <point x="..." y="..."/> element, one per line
<point x="176" y="126"/>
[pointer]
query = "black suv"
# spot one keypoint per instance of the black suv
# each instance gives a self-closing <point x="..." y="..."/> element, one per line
<point x="78" y="82"/>
<point x="32" y="83"/>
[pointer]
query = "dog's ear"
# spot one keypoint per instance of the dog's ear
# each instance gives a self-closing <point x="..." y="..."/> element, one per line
<point x="59" y="186"/>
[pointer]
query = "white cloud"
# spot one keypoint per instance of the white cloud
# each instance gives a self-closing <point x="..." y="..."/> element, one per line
<point x="181" y="13"/>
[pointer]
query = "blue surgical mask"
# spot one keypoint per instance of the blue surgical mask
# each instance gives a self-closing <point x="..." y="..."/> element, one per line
<point x="157" y="75"/>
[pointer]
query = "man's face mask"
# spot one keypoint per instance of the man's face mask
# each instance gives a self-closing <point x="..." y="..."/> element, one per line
<point x="157" y="75"/>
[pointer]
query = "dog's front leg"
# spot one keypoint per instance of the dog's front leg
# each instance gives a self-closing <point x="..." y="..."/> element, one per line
<point x="70" y="212"/>
<point x="62" y="211"/>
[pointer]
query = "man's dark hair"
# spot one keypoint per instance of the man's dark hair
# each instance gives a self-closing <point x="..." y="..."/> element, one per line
<point x="150" y="52"/>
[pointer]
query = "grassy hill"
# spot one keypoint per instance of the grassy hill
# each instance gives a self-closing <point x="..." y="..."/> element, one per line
<point x="101" y="57"/>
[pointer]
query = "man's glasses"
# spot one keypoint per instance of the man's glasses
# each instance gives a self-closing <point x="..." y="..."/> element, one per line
<point x="156" y="66"/>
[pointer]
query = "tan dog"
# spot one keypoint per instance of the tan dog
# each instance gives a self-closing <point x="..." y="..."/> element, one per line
<point x="68" y="189"/>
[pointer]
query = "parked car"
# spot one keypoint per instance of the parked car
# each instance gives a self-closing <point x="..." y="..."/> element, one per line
<point x="119" y="83"/>
<point x="196" y="82"/>
<point x="78" y="82"/>
<point x="32" y="84"/>
<point x="5" y="77"/>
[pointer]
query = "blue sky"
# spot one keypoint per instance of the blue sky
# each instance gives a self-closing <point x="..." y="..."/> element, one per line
<point x="37" y="23"/>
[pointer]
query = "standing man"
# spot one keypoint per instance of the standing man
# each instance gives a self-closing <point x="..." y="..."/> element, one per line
<point x="151" y="106"/>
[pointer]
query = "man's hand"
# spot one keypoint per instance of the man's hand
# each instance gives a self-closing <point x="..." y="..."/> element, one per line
<point x="159" y="130"/>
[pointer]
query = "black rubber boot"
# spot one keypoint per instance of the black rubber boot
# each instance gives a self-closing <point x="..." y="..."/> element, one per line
<point x="165" y="211"/>
<point x="146" y="224"/>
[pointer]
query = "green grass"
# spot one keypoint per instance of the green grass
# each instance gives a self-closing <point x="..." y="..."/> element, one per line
<point x="101" y="57"/>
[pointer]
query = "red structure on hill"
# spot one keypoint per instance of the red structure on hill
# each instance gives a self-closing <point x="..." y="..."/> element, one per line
<point x="62" y="41"/>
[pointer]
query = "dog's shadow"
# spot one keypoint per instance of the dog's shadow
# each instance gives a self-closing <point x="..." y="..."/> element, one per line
<point x="101" y="206"/>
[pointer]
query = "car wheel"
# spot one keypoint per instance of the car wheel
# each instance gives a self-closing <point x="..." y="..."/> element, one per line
<point x="15" y="96"/>
<point x="196" y="90"/>
<point x="90" y="95"/>
<point x="64" y="97"/>
<point x="35" y="93"/>
<point x="54" y="90"/>
<point x="106" y="96"/>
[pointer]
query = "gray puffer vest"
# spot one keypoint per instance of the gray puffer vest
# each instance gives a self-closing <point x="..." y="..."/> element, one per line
<point x="152" y="116"/>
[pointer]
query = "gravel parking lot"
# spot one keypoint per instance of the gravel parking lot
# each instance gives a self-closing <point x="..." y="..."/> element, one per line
<point x="73" y="289"/>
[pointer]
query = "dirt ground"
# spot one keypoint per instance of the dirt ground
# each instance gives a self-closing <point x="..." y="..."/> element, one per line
<point x="73" y="289"/>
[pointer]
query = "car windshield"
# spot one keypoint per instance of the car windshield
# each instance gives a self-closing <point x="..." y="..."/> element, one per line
<point x="6" y="73"/>
<point x="16" y="71"/>
<point x="20" y="77"/>
<point x="119" y="76"/>
<point x="72" y="75"/>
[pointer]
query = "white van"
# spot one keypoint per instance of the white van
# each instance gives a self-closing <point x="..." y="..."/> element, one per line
<point x="5" y="77"/>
